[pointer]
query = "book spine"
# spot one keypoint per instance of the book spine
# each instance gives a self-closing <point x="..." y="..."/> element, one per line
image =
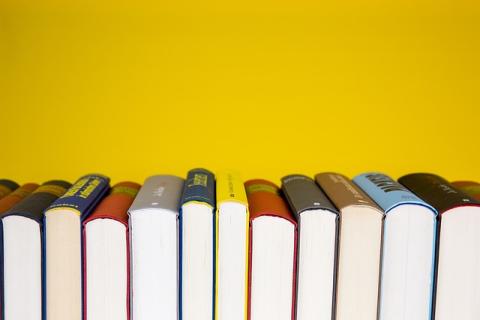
<point x="386" y="192"/>
<point x="83" y="195"/>
<point x="436" y="191"/>
<point x="469" y="187"/>
<point x="342" y="191"/>
<point x="161" y="192"/>
<point x="230" y="187"/>
<point x="199" y="187"/>
<point x="302" y="193"/>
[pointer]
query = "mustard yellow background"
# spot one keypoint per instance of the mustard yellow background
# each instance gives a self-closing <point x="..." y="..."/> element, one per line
<point x="269" y="88"/>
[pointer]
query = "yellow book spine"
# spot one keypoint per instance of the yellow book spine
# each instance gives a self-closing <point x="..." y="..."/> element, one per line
<point x="230" y="187"/>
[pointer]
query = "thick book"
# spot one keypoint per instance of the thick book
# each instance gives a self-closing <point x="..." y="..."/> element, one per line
<point x="458" y="261"/>
<point x="154" y="242"/>
<point x="21" y="258"/>
<point x="16" y="196"/>
<point x="6" y="187"/>
<point x="471" y="188"/>
<point x="273" y="252"/>
<point x="408" y="254"/>
<point x="232" y="248"/>
<point x="197" y="241"/>
<point x="359" y="247"/>
<point x="317" y="250"/>
<point x="106" y="256"/>
<point x="62" y="223"/>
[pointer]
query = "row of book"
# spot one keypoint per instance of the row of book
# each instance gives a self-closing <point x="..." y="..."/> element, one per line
<point x="215" y="247"/>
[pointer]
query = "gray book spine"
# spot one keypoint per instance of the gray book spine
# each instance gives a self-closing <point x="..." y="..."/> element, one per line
<point x="302" y="193"/>
<point x="159" y="192"/>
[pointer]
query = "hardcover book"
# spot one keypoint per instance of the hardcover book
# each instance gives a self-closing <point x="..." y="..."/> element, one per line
<point x="21" y="254"/>
<point x="197" y="267"/>
<point x="359" y="247"/>
<point x="106" y="256"/>
<point x="408" y="253"/>
<point x="273" y="246"/>
<point x="469" y="187"/>
<point x="317" y="251"/>
<point x="232" y="248"/>
<point x="7" y="186"/>
<point x="154" y="238"/>
<point x="63" y="246"/>
<point x="16" y="196"/>
<point x="458" y="262"/>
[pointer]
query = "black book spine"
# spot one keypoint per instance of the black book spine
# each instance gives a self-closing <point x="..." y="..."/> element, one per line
<point x="436" y="191"/>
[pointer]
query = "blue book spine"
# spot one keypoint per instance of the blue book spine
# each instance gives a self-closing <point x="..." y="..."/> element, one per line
<point x="386" y="192"/>
<point x="389" y="194"/>
<point x="84" y="194"/>
<point x="199" y="187"/>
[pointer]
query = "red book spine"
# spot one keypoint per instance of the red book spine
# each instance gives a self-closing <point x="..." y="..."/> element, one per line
<point x="115" y="206"/>
<point x="264" y="199"/>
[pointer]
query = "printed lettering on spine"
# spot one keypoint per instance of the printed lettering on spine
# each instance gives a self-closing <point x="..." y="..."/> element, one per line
<point x="63" y="246"/>
<point x="407" y="275"/>
<point x="458" y="280"/>
<point x="197" y="264"/>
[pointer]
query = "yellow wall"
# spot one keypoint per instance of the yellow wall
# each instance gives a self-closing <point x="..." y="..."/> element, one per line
<point x="268" y="87"/>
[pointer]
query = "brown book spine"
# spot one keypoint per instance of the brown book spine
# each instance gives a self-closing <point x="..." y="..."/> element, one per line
<point x="342" y="191"/>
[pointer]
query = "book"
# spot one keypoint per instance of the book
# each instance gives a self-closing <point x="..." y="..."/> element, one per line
<point x="154" y="241"/>
<point x="359" y="247"/>
<point x="458" y="260"/>
<point x="232" y="248"/>
<point x="273" y="246"/>
<point x="197" y="241"/>
<point x="317" y="221"/>
<point x="408" y="253"/>
<point x="7" y="186"/>
<point x="21" y="254"/>
<point x="63" y="257"/>
<point x="106" y="256"/>
<point x="469" y="187"/>
<point x="16" y="196"/>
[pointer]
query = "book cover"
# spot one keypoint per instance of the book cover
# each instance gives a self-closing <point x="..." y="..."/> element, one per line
<point x="16" y="196"/>
<point x="114" y="206"/>
<point x="264" y="199"/>
<point x="154" y="232"/>
<point x="408" y="253"/>
<point x="471" y="188"/>
<point x="7" y="186"/>
<point x="199" y="187"/>
<point x="318" y="244"/>
<point x="63" y="245"/>
<point x="230" y="188"/>
<point x="457" y="262"/>
<point x="359" y="247"/>
<point x="32" y="206"/>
